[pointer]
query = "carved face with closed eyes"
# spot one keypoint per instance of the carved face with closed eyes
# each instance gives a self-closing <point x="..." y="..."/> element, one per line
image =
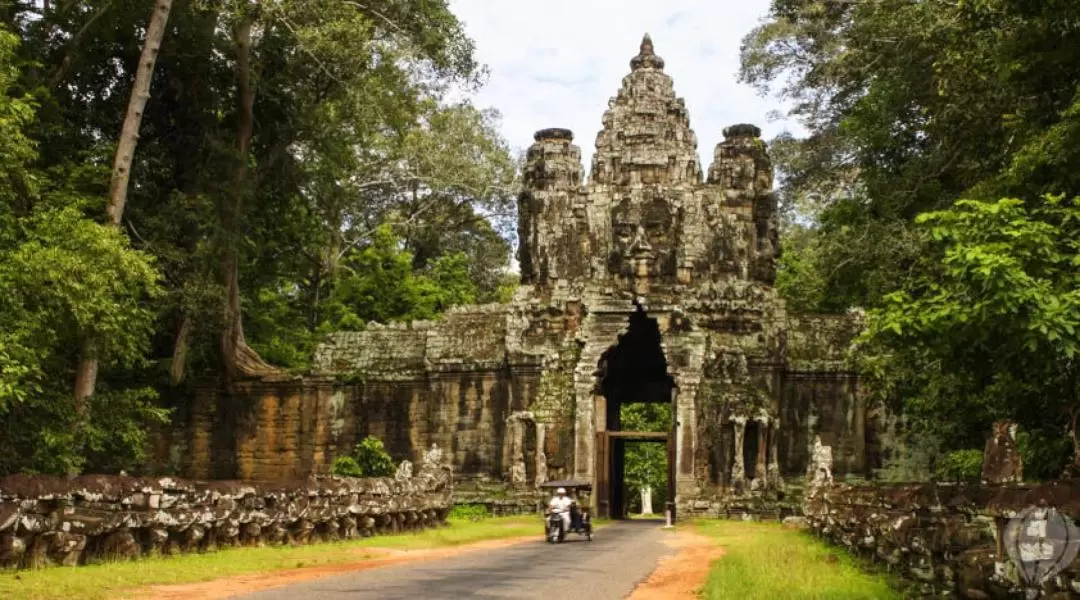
<point x="643" y="238"/>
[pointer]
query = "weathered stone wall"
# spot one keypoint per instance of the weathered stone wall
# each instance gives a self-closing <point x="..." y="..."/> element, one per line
<point x="46" y="520"/>
<point x="947" y="539"/>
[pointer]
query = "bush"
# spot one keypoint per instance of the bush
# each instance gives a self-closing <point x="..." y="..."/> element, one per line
<point x="470" y="512"/>
<point x="369" y="459"/>
<point x="1044" y="456"/>
<point x="960" y="466"/>
<point x="346" y="466"/>
<point x="373" y="459"/>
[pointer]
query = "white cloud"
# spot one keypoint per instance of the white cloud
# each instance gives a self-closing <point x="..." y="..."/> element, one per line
<point x="555" y="63"/>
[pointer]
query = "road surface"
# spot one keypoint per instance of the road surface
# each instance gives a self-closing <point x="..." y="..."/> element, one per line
<point x="620" y="556"/>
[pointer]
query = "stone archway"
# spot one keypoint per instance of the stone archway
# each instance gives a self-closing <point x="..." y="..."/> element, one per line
<point x="633" y="370"/>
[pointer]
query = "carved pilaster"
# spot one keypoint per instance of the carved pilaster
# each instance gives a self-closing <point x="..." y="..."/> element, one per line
<point x="541" y="456"/>
<point x="738" y="470"/>
<point x="775" y="481"/>
<point x="760" y="477"/>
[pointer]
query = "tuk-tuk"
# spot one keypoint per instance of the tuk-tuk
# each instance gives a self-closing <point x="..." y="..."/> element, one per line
<point x="580" y="521"/>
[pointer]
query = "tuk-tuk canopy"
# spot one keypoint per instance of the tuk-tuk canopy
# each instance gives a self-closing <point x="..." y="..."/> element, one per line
<point x="568" y="484"/>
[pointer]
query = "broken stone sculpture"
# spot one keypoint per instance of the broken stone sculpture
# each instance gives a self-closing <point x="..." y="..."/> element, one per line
<point x="1001" y="458"/>
<point x="821" y="461"/>
<point x="47" y="520"/>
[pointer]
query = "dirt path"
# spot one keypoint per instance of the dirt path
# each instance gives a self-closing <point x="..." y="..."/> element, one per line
<point x="680" y="576"/>
<point x="367" y="558"/>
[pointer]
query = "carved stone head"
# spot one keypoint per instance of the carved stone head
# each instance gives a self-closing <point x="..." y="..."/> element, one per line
<point x="644" y="238"/>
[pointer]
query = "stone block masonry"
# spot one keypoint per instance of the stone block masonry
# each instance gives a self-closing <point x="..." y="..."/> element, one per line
<point x="48" y="520"/>
<point x="967" y="541"/>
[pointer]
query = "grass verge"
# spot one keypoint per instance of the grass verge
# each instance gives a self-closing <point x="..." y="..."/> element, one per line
<point x="112" y="580"/>
<point x="767" y="561"/>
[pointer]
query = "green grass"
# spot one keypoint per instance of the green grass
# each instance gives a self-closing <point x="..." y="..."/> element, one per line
<point x="767" y="561"/>
<point x="112" y="580"/>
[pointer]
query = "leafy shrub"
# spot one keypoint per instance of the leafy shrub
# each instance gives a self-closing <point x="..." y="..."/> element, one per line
<point x="373" y="459"/>
<point x="1044" y="456"/>
<point x="345" y="466"/>
<point x="470" y="512"/>
<point x="960" y="466"/>
<point x="369" y="459"/>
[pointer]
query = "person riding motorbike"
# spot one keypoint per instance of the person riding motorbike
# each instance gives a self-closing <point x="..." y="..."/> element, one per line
<point x="560" y="505"/>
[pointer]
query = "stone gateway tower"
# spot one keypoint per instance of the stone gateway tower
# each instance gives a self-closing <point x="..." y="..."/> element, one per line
<point x="652" y="281"/>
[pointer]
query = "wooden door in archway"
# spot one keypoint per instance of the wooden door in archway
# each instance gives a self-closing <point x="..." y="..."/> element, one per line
<point x="602" y="476"/>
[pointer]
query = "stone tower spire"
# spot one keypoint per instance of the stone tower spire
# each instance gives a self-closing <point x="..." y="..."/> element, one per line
<point x="646" y="137"/>
<point x="646" y="57"/>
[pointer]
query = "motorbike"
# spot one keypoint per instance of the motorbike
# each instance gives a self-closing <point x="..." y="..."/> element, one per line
<point x="580" y="521"/>
<point x="555" y="531"/>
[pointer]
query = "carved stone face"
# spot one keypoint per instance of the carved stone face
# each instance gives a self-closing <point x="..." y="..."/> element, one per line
<point x="643" y="238"/>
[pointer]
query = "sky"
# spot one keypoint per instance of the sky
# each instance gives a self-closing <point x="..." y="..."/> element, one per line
<point x="556" y="63"/>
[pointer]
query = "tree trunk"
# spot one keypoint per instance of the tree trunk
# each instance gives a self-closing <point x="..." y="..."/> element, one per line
<point x="240" y="360"/>
<point x="178" y="365"/>
<point x="1072" y="470"/>
<point x="87" y="369"/>
<point x="85" y="376"/>
<point x="140" y="93"/>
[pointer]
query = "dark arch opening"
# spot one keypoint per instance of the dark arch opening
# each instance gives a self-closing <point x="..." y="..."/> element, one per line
<point x="632" y="372"/>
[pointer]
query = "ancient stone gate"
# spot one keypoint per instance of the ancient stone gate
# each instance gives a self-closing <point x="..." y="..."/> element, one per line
<point x="517" y="394"/>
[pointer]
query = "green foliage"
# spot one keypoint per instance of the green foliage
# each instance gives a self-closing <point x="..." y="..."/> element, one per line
<point x="763" y="561"/>
<point x="910" y="106"/>
<point x="362" y="178"/>
<point x="63" y="278"/>
<point x="383" y="286"/>
<point x="1043" y="454"/>
<point x="797" y="279"/>
<point x="346" y="466"/>
<point x="470" y="512"/>
<point x="645" y="463"/>
<point x="369" y="459"/>
<point x="987" y="324"/>
<point x="17" y="150"/>
<point x="960" y="466"/>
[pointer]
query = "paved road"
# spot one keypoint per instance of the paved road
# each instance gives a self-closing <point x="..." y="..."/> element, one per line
<point x="620" y="556"/>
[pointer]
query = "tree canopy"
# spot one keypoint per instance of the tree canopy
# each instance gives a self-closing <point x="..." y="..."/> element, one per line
<point x="299" y="168"/>
<point x="935" y="188"/>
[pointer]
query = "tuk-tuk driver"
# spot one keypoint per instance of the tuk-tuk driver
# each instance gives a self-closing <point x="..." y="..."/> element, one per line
<point x="560" y="504"/>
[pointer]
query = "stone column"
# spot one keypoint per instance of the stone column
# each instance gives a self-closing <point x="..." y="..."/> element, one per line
<point x="584" y="407"/>
<point x="690" y="347"/>
<point x="584" y="433"/>
<point x="760" y="480"/>
<point x="541" y="457"/>
<point x="738" y="470"/>
<point x="774" y="458"/>
<point x="646" y="501"/>
<point x="517" y="453"/>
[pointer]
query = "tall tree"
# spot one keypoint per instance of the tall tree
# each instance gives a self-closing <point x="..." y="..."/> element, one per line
<point x="261" y="198"/>
<point x="86" y="372"/>
<point x="910" y="106"/>
<point x="63" y="278"/>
